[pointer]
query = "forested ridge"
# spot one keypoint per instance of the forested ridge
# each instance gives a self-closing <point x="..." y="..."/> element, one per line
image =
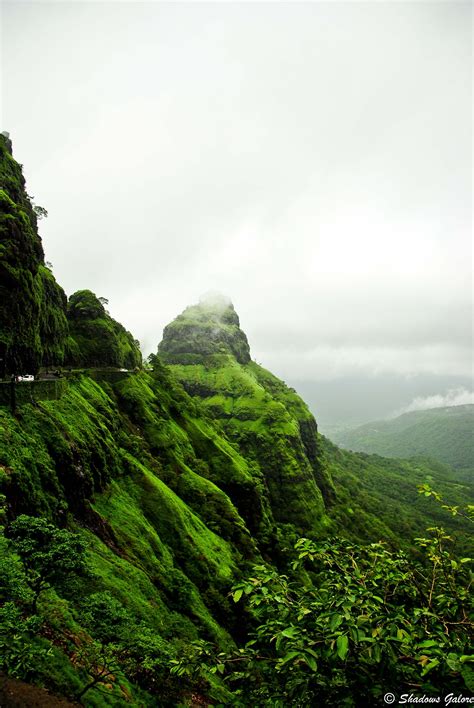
<point x="444" y="434"/>
<point x="183" y="535"/>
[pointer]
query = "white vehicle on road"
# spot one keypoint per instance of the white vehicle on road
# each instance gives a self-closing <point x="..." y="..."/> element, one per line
<point x="26" y="377"/>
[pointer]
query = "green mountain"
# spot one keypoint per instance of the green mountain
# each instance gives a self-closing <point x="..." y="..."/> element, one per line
<point x="132" y="502"/>
<point x="446" y="434"/>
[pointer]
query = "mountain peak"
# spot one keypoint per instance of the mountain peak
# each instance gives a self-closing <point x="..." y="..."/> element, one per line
<point x="210" y="327"/>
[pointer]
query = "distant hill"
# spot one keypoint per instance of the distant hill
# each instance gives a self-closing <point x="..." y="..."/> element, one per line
<point x="445" y="434"/>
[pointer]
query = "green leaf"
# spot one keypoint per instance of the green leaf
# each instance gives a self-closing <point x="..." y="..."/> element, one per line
<point x="290" y="632"/>
<point x="342" y="645"/>
<point x="453" y="662"/>
<point x="468" y="675"/>
<point x="430" y="666"/>
<point x="311" y="661"/>
<point x="335" y="622"/>
<point x="288" y="657"/>
<point x="428" y="643"/>
<point x="237" y="595"/>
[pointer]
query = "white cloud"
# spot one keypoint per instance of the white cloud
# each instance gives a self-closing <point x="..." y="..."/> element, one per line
<point x="453" y="397"/>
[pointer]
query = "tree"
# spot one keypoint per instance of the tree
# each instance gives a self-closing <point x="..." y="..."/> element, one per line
<point x="40" y="211"/>
<point x="50" y="556"/>
<point x="121" y="646"/>
<point x="101" y="661"/>
<point x="348" y="623"/>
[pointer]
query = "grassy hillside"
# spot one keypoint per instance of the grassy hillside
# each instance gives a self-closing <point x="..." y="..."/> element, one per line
<point x="171" y="512"/>
<point x="446" y="434"/>
<point x="377" y="496"/>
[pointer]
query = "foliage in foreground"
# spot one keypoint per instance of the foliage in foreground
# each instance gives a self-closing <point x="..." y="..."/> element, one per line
<point x="350" y="623"/>
<point x="347" y="623"/>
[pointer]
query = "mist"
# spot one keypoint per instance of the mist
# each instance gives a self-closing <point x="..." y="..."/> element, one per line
<point x="311" y="160"/>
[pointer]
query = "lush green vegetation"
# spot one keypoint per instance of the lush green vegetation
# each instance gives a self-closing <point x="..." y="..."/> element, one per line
<point x="143" y="477"/>
<point x="446" y="434"/>
<point x="376" y="500"/>
<point x="82" y="462"/>
<point x="134" y="508"/>
<point x="38" y="327"/>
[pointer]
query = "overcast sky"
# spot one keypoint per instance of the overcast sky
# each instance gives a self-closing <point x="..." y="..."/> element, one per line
<point x="312" y="161"/>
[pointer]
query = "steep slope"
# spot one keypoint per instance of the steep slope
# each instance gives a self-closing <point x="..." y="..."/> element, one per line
<point x="95" y="338"/>
<point x="117" y="465"/>
<point x="33" y="327"/>
<point x="446" y="434"/>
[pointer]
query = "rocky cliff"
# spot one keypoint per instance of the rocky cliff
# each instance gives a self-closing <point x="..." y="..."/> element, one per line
<point x="33" y="327"/>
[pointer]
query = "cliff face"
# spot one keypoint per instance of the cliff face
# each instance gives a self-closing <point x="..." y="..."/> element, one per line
<point x="269" y="423"/>
<point x="33" y="327"/>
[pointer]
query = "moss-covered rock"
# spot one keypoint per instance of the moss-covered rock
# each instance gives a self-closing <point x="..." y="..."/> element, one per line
<point x="95" y="338"/>
<point x="33" y="326"/>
